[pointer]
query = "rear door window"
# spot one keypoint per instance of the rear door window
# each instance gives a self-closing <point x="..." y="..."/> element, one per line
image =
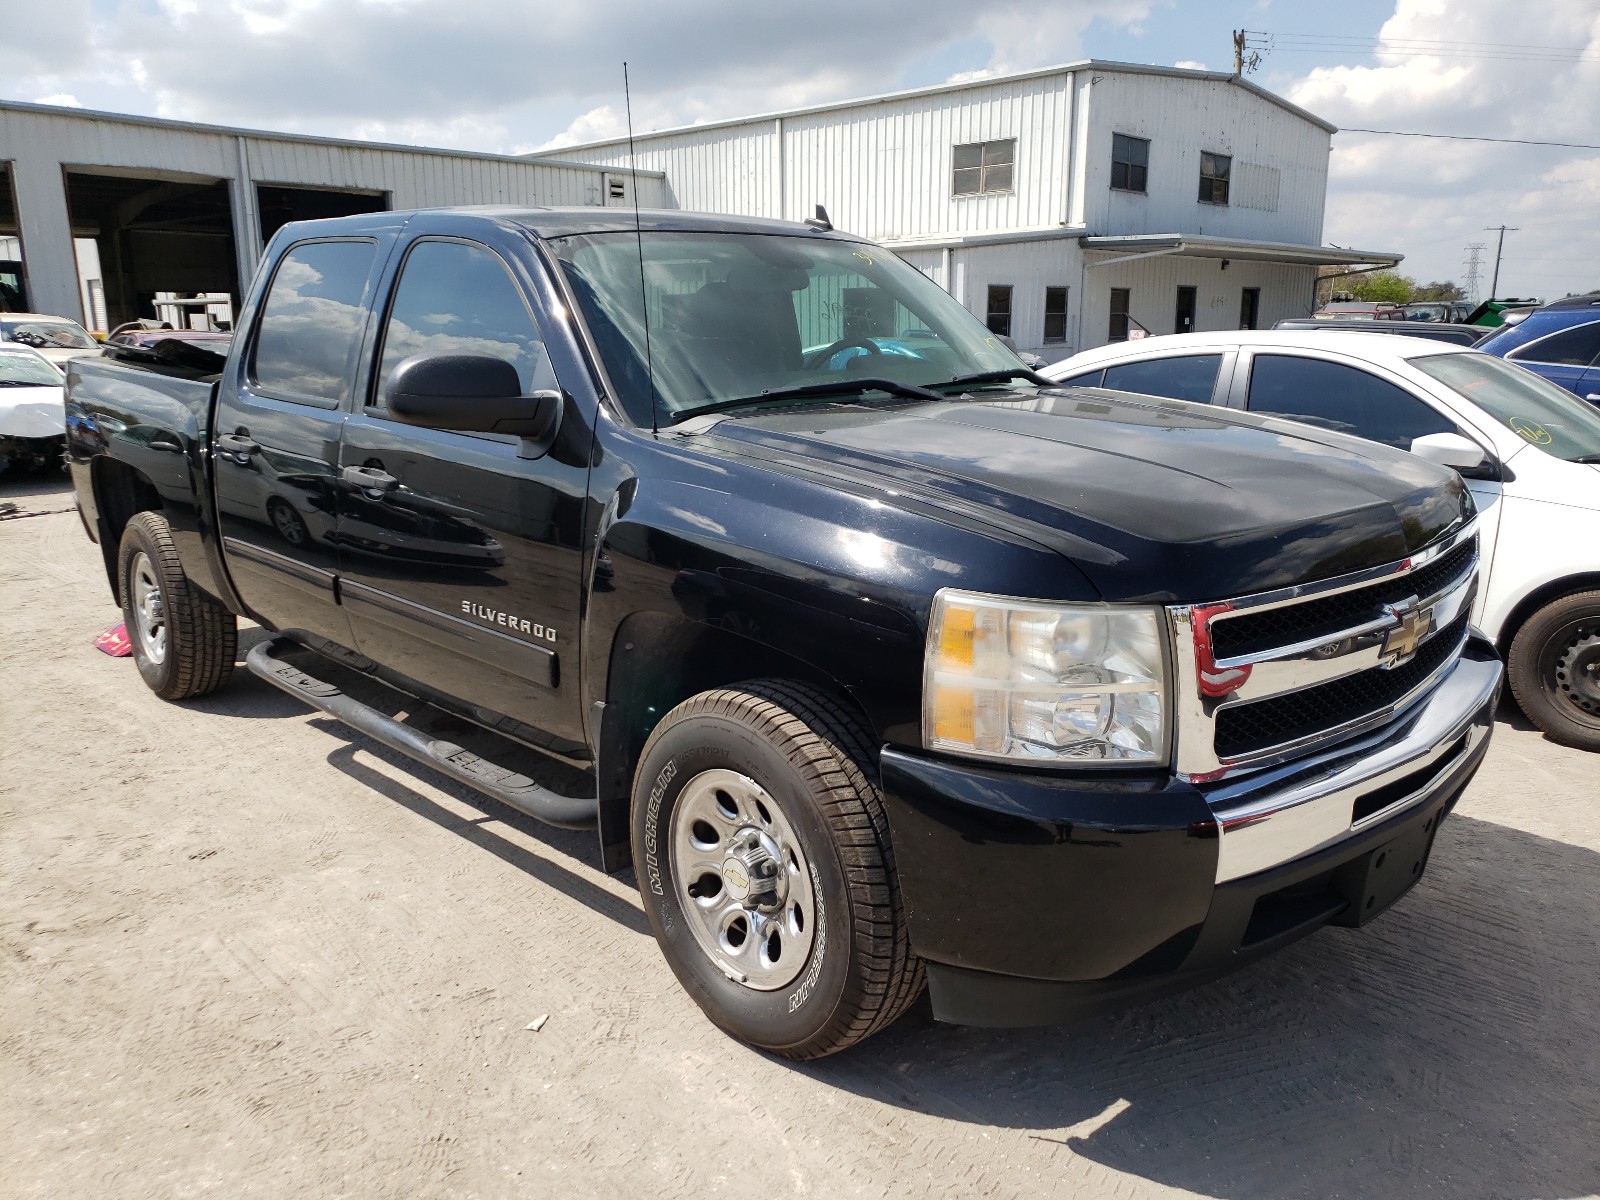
<point x="311" y="322"/>
<point x="1343" y="398"/>
<point x="1180" y="377"/>
<point x="1577" y="347"/>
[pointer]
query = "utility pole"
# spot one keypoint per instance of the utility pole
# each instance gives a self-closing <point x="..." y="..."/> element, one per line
<point x="1473" y="268"/>
<point x="1238" y="52"/>
<point x="1494" y="283"/>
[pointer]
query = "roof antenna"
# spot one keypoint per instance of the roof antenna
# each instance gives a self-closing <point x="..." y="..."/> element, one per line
<point x="820" y="222"/>
<point x="638" y="235"/>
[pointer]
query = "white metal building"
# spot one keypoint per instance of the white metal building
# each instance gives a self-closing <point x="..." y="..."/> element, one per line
<point x="1068" y="206"/>
<point x="170" y="208"/>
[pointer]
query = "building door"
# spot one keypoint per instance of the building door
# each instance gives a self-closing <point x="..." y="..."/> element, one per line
<point x="1184" y="321"/>
<point x="1249" y="308"/>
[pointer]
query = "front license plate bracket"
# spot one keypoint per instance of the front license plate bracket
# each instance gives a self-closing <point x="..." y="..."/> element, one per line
<point x="1378" y="878"/>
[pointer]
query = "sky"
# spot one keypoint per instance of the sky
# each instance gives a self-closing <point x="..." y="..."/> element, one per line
<point x="514" y="76"/>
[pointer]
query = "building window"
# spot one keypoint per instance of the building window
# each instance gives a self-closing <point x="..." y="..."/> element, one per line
<point x="984" y="167"/>
<point x="1055" y="315"/>
<point x="1119" y="314"/>
<point x="1214" y="171"/>
<point x="1130" y="162"/>
<point x="998" y="316"/>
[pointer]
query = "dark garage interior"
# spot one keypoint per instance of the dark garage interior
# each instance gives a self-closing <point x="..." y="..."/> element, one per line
<point x="156" y="232"/>
<point x="279" y="205"/>
<point x="13" y="287"/>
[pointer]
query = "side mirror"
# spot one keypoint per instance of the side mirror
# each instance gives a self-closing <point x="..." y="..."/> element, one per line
<point x="473" y="393"/>
<point x="1449" y="450"/>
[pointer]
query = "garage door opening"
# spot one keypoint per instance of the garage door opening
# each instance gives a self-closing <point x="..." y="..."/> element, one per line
<point x="13" y="283"/>
<point x="279" y="205"/>
<point x="164" y="243"/>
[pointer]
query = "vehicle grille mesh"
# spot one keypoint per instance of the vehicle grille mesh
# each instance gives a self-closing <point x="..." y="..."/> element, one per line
<point x="1247" y="728"/>
<point x="1275" y="627"/>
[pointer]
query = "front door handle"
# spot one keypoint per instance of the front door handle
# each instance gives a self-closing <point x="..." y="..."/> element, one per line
<point x="239" y="445"/>
<point x="370" y="479"/>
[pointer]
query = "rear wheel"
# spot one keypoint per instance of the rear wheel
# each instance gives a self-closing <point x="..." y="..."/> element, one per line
<point x="184" y="641"/>
<point x="1554" y="668"/>
<point x="764" y="861"/>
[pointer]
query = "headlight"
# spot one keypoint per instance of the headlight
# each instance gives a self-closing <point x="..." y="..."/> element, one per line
<point x="1067" y="683"/>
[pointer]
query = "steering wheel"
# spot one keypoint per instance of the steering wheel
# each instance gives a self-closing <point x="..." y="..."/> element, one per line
<point x="827" y="352"/>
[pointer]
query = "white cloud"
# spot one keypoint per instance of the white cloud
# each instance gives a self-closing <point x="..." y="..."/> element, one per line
<point x="65" y="99"/>
<point x="1432" y="197"/>
<point x="1189" y="64"/>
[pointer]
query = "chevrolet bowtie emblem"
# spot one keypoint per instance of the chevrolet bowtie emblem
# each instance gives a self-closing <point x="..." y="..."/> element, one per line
<point x="1401" y="642"/>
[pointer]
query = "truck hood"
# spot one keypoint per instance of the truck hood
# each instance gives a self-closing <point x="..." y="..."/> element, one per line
<point x="1154" y="500"/>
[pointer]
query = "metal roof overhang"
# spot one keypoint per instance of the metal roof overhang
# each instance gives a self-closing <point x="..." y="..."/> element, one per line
<point x="1127" y="247"/>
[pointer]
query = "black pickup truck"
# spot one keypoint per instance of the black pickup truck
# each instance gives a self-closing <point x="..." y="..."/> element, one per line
<point x="885" y="661"/>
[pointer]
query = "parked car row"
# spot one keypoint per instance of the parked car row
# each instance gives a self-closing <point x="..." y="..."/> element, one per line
<point x="1530" y="454"/>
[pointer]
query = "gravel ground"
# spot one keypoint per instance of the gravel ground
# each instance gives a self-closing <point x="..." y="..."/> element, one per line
<point x="249" y="953"/>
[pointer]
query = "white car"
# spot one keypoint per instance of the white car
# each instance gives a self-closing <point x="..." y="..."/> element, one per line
<point x="1528" y="450"/>
<point x="32" y="415"/>
<point x="57" y="338"/>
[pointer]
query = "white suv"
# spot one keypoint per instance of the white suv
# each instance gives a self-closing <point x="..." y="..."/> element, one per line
<point x="1529" y="451"/>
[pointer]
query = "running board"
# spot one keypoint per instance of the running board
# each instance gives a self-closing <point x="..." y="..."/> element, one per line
<point x="516" y="791"/>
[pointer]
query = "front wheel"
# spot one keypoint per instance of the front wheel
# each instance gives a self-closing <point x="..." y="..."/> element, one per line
<point x="764" y="861"/>
<point x="184" y="641"/>
<point x="1554" y="669"/>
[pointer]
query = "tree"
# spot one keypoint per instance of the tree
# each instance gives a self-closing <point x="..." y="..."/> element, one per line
<point x="1439" y="291"/>
<point x="1384" y="285"/>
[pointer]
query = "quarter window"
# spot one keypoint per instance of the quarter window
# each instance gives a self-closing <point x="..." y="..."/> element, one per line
<point x="998" y="317"/>
<point x="459" y="298"/>
<point x="1214" y="172"/>
<point x="311" y="322"/>
<point x="980" y="167"/>
<point x="1182" y="377"/>
<point x="1119" y="314"/>
<point x="1576" y="347"/>
<point x="1130" y="162"/>
<point x="1346" y="399"/>
<point x="1055" y="315"/>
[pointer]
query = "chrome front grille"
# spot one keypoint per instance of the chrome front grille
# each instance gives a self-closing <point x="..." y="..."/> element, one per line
<point x="1263" y="678"/>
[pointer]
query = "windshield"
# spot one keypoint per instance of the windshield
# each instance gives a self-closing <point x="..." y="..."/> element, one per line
<point x="1547" y="416"/>
<point x="734" y="315"/>
<point x="27" y="370"/>
<point x="55" y="334"/>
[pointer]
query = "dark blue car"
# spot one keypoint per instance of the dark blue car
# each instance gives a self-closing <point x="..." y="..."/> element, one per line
<point x="1560" y="341"/>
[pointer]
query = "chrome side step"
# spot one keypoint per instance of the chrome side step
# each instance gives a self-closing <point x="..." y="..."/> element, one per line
<point x="516" y="791"/>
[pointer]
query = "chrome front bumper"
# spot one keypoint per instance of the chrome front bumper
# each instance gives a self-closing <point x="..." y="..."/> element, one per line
<point x="1273" y="817"/>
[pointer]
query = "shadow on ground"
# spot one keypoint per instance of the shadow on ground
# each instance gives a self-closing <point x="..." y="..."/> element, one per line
<point x="1452" y="1048"/>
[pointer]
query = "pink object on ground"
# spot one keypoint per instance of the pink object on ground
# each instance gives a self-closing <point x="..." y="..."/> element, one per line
<point x="115" y="641"/>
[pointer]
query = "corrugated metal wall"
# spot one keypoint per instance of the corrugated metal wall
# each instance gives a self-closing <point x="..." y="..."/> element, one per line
<point x="39" y="143"/>
<point x="1181" y="118"/>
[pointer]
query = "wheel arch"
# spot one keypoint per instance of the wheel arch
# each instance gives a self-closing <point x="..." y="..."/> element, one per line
<point x="657" y="661"/>
<point x="1540" y="596"/>
<point x="120" y="491"/>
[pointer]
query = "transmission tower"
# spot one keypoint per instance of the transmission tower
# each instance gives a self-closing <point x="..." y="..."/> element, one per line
<point x="1473" y="268"/>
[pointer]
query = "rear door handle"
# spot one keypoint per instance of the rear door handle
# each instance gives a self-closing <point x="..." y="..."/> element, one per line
<point x="370" y="479"/>
<point x="238" y="445"/>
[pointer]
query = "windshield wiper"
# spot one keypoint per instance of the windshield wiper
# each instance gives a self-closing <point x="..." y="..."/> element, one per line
<point x="842" y="387"/>
<point x="1004" y="376"/>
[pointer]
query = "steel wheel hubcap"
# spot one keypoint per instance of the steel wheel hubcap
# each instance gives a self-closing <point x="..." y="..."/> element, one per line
<point x="149" y="614"/>
<point x="743" y="880"/>
<point x="1578" y="673"/>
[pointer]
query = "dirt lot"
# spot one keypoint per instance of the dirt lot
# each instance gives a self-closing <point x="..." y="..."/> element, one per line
<point x="248" y="953"/>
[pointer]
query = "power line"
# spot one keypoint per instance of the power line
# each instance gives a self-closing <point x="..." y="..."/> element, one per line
<point x="1350" y="37"/>
<point x="1461" y="137"/>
